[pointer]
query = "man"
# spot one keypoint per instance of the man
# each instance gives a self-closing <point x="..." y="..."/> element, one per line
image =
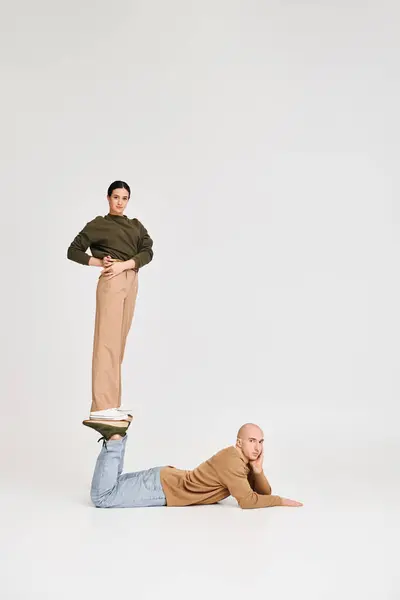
<point x="236" y="471"/>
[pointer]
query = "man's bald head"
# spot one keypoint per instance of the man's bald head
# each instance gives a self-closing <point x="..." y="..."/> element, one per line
<point x="250" y="440"/>
<point x="249" y="430"/>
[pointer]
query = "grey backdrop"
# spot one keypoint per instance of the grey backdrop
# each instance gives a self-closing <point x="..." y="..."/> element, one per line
<point x="261" y="142"/>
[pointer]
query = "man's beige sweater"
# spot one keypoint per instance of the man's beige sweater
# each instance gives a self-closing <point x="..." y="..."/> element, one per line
<point x="224" y="474"/>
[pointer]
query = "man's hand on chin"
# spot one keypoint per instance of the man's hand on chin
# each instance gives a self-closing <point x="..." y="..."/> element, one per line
<point x="257" y="465"/>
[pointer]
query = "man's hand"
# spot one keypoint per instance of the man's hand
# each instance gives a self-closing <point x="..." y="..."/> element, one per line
<point x="257" y="465"/>
<point x="287" y="502"/>
<point x="115" y="268"/>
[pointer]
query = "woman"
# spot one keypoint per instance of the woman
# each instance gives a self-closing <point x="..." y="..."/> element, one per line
<point x="121" y="246"/>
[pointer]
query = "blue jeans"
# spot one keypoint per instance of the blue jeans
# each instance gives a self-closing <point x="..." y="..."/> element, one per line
<point x="111" y="489"/>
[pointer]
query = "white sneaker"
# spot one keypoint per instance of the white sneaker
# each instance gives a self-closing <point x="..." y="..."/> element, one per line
<point x="127" y="411"/>
<point x="110" y="414"/>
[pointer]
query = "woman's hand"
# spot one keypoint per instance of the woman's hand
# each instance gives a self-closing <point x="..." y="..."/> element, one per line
<point x="107" y="261"/>
<point x="114" y="268"/>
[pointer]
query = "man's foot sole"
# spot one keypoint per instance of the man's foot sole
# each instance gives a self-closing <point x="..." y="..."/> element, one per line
<point x="108" y="428"/>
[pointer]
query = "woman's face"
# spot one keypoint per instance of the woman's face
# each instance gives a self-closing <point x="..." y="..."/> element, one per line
<point x="118" y="201"/>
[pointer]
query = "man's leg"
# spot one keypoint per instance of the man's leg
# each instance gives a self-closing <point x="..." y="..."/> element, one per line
<point x="111" y="489"/>
<point x="109" y="467"/>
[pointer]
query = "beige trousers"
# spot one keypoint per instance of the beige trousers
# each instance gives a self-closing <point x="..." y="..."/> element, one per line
<point x="115" y="305"/>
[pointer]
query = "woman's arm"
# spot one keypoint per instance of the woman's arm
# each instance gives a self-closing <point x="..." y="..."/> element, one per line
<point x="77" y="248"/>
<point x="129" y="264"/>
<point x="95" y="262"/>
<point x="145" y="253"/>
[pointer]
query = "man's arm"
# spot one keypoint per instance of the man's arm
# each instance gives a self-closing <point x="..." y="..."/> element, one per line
<point x="257" y="479"/>
<point x="259" y="483"/>
<point x="235" y="478"/>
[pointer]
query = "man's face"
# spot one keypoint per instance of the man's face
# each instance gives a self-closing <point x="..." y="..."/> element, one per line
<point x="251" y="443"/>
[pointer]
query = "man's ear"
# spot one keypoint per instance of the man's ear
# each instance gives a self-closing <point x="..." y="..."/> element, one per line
<point x="239" y="442"/>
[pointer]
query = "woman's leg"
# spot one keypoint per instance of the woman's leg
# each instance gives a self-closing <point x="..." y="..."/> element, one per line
<point x="110" y="300"/>
<point x="127" y="316"/>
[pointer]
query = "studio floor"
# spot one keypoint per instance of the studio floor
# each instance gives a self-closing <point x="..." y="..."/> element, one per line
<point x="342" y="544"/>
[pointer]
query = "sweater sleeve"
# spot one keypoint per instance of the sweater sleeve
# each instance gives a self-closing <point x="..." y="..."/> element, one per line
<point x="259" y="483"/>
<point x="145" y="253"/>
<point x="235" y="479"/>
<point x="77" y="248"/>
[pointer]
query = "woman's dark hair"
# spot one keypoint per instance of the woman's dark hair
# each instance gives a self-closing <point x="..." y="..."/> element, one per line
<point x="117" y="185"/>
